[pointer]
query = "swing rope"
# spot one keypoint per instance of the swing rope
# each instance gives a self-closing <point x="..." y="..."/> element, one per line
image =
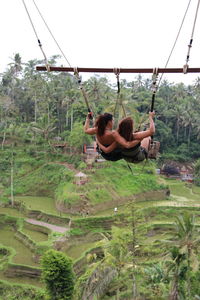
<point x="155" y="86"/>
<point x="185" y="67"/>
<point x="117" y="72"/>
<point x="39" y="43"/>
<point x="51" y="33"/>
<point x="153" y="146"/>
<point x="76" y="74"/>
<point x="176" y="39"/>
<point x="119" y="102"/>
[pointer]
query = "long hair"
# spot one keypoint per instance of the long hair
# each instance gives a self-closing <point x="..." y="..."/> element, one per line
<point x="102" y="122"/>
<point x="125" y="128"/>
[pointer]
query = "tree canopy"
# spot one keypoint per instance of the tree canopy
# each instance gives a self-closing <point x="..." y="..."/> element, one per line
<point x="50" y="104"/>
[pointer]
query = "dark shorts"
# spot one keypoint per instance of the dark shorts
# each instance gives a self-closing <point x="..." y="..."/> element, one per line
<point x="115" y="155"/>
<point x="141" y="155"/>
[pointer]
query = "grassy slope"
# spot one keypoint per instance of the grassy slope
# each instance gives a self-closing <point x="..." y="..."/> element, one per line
<point x="106" y="183"/>
<point x="111" y="180"/>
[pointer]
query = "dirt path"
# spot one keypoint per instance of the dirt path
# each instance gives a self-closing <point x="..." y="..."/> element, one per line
<point x="50" y="226"/>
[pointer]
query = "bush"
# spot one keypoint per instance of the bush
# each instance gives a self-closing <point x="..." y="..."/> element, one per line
<point x="58" y="275"/>
<point x="82" y="165"/>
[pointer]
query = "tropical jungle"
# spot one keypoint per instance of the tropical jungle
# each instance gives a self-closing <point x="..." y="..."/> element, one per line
<point x="77" y="227"/>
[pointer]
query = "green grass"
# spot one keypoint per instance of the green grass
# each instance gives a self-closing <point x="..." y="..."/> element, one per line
<point x="100" y="195"/>
<point x="45" y="204"/>
<point x="116" y="180"/>
<point x="77" y="250"/>
<point x="36" y="236"/>
<point x="42" y="181"/>
<point x="196" y="189"/>
<point x="183" y="190"/>
<point x="105" y="184"/>
<point x="21" y="280"/>
<point x="11" y="212"/>
<point x="23" y="254"/>
<point x="67" y="192"/>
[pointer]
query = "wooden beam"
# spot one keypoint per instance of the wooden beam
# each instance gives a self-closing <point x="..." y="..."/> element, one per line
<point x="121" y="70"/>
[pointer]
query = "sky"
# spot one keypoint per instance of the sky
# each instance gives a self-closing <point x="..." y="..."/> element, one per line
<point x="103" y="33"/>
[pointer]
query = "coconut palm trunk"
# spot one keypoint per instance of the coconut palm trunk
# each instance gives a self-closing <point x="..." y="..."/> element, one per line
<point x="174" y="289"/>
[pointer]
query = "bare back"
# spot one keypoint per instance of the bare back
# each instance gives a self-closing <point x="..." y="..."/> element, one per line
<point x="107" y="138"/>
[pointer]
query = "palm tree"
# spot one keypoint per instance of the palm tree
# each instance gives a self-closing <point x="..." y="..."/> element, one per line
<point x="16" y="65"/>
<point x="116" y="252"/>
<point x="187" y="241"/>
<point x="116" y="256"/>
<point x="188" y="122"/>
<point x="96" y="284"/>
<point x="44" y="127"/>
<point x="177" y="259"/>
<point x="100" y="94"/>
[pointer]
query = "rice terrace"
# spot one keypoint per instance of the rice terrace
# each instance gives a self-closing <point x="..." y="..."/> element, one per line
<point x="99" y="175"/>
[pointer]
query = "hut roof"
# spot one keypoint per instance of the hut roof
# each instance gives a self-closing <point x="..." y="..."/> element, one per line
<point x="80" y="174"/>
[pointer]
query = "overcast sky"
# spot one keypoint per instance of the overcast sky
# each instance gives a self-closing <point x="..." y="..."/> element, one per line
<point x="103" y="33"/>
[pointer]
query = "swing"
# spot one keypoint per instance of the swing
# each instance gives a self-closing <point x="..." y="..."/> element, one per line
<point x="154" y="145"/>
<point x="135" y="154"/>
<point x="49" y="68"/>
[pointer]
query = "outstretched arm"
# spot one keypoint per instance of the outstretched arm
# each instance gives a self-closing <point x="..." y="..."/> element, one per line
<point x="120" y="140"/>
<point x="87" y="128"/>
<point x="124" y="143"/>
<point x="148" y="132"/>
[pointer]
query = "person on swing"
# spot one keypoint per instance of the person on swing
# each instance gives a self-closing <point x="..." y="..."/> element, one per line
<point x="129" y="145"/>
<point x="104" y="133"/>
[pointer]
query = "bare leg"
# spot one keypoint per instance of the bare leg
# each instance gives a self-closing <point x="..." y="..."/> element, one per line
<point x="146" y="142"/>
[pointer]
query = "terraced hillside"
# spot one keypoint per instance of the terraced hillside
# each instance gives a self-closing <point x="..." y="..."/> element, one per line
<point x="24" y="239"/>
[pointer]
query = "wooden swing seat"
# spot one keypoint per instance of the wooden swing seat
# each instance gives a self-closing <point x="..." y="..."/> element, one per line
<point x="153" y="149"/>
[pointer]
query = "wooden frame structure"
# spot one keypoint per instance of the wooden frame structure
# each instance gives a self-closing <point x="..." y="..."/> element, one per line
<point x="120" y="70"/>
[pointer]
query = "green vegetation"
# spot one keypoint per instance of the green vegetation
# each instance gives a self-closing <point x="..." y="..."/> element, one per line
<point x="149" y="248"/>
<point x="8" y="239"/>
<point x="197" y="172"/>
<point x="35" y="235"/>
<point x="35" y="106"/>
<point x="16" y="291"/>
<point x="46" y="178"/>
<point x="38" y="203"/>
<point x="58" y="275"/>
<point x="75" y="252"/>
